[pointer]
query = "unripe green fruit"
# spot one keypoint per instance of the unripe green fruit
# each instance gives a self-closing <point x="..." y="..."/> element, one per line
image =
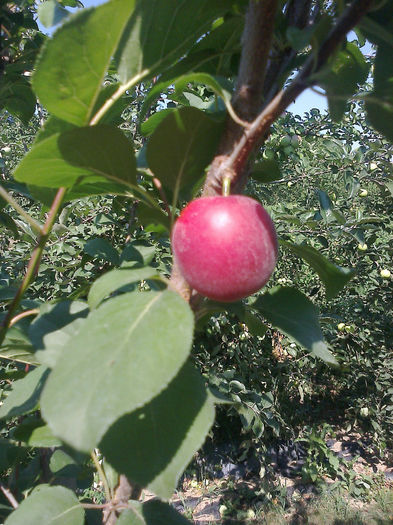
<point x="289" y="184"/>
<point x="363" y="193"/>
<point x="385" y="274"/>
<point x="288" y="150"/>
<point x="285" y="141"/>
<point x="373" y="166"/>
<point x="295" y="141"/>
<point x="268" y="154"/>
<point x="364" y="411"/>
<point x="341" y="327"/>
<point x="362" y="247"/>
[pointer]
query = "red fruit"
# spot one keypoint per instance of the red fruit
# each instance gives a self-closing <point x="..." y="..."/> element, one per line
<point x="226" y="247"/>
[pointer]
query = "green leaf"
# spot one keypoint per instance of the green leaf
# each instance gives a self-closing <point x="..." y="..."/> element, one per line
<point x="266" y="171"/>
<point x="99" y="152"/>
<point x="342" y="77"/>
<point x="153" y="512"/>
<point x="218" y="85"/>
<point x="254" y="324"/>
<point x="151" y="217"/>
<point x="191" y="137"/>
<point x="103" y="250"/>
<point x="68" y="83"/>
<point x="326" y="205"/>
<point x="139" y="253"/>
<point x="154" y="444"/>
<point x="294" y="314"/>
<point x="18" y="97"/>
<point x="175" y="31"/>
<point x="334" y="277"/>
<point x="25" y="394"/>
<point x="20" y="352"/>
<point x="55" y="325"/>
<point x="34" y="433"/>
<point x="117" y="279"/>
<point x="380" y="114"/>
<point x="127" y="352"/>
<point x="51" y="13"/>
<point x="7" y="222"/>
<point x="48" y="505"/>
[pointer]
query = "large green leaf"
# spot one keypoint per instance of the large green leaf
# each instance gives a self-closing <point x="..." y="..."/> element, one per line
<point x="266" y="171"/>
<point x="72" y="65"/>
<point x="25" y="394"/>
<point x="181" y="147"/>
<point x="379" y="103"/>
<point x="125" y="354"/>
<point x="51" y="13"/>
<point x="17" y="96"/>
<point x="20" y="352"/>
<point x="48" y="505"/>
<point x="334" y="277"/>
<point x="294" y="314"/>
<point x="154" y="444"/>
<point x="116" y="279"/>
<point x="176" y="25"/>
<point x="100" y="153"/>
<point x="341" y="78"/>
<point x="153" y="512"/>
<point x="52" y="329"/>
<point x="103" y="250"/>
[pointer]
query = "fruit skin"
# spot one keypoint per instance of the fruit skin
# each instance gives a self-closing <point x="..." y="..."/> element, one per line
<point x="385" y="274"/>
<point x="341" y="327"/>
<point x="362" y="247"/>
<point x="226" y="247"/>
<point x="363" y="193"/>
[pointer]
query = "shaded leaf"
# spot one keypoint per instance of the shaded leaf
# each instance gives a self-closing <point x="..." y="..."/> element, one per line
<point x="334" y="277"/>
<point x="79" y="72"/>
<point x="140" y="55"/>
<point x="52" y="329"/>
<point x="266" y="171"/>
<point x="34" y="433"/>
<point x="182" y="146"/>
<point x="51" y="13"/>
<point x="152" y="512"/>
<point x="103" y="250"/>
<point x="294" y="314"/>
<point x="98" y="152"/>
<point x="25" y="394"/>
<point x="118" y="359"/>
<point x="166" y="433"/>
<point x="48" y="505"/>
<point x="112" y="281"/>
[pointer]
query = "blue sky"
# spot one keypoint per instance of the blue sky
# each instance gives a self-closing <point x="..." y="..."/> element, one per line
<point x="307" y="100"/>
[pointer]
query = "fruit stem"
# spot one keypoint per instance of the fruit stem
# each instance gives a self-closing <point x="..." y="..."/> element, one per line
<point x="226" y="186"/>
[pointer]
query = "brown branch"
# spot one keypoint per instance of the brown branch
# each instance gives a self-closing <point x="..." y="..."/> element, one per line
<point x="236" y="161"/>
<point x="247" y="98"/>
<point x="124" y="492"/>
<point x="8" y="494"/>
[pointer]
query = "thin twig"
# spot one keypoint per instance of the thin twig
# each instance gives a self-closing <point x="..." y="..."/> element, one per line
<point x="24" y="314"/>
<point x="33" y="223"/>
<point x="102" y="475"/>
<point x="158" y="185"/>
<point x="34" y="263"/>
<point x="8" y="494"/>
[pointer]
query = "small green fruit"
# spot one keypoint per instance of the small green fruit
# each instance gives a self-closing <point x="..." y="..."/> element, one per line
<point x="268" y="154"/>
<point x="385" y="274"/>
<point x="362" y="247"/>
<point x="341" y="327"/>
<point x="363" y="193"/>
<point x="295" y="141"/>
<point x="373" y="166"/>
<point x="285" y="141"/>
<point x="364" y="411"/>
<point x="289" y="184"/>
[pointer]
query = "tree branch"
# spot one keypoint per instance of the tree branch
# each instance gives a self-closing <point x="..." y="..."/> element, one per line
<point x="236" y="161"/>
<point x="124" y="492"/>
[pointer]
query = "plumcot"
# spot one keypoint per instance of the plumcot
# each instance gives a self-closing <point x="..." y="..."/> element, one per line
<point x="225" y="246"/>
